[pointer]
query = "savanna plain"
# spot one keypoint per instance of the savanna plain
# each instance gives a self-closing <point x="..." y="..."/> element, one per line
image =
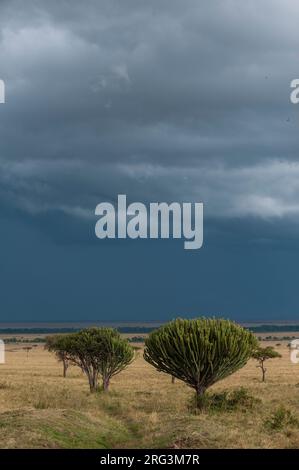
<point x="144" y="409"/>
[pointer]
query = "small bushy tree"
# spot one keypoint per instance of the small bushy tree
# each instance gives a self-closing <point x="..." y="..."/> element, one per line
<point x="57" y="344"/>
<point x="99" y="352"/>
<point x="262" y="355"/>
<point x="200" y="352"/>
<point x="27" y="349"/>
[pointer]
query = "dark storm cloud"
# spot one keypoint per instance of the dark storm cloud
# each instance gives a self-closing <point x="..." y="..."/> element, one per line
<point x="167" y="100"/>
<point x="160" y="100"/>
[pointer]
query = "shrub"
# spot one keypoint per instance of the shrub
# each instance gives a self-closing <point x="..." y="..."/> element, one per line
<point x="227" y="401"/>
<point x="280" y="418"/>
<point x="200" y="352"/>
<point x="240" y="399"/>
<point x="4" y="385"/>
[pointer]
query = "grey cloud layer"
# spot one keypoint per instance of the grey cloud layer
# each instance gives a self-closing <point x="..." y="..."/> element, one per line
<point x="164" y="100"/>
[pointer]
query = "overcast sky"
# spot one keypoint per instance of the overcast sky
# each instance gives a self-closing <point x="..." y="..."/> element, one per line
<point x="162" y="100"/>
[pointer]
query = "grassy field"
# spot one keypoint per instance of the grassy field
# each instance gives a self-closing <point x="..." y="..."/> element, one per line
<point x="40" y="409"/>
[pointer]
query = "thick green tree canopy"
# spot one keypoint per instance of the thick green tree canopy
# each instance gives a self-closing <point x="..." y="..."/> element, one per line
<point x="97" y="351"/>
<point x="262" y="354"/>
<point x="201" y="351"/>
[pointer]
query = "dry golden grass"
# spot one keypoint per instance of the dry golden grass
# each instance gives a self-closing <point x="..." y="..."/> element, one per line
<point x="38" y="408"/>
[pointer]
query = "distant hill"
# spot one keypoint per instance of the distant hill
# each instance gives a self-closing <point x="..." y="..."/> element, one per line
<point x="134" y="329"/>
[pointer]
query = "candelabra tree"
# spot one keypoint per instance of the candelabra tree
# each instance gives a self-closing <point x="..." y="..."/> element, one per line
<point x="199" y="352"/>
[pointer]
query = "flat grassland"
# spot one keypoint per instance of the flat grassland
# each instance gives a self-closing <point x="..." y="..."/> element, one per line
<point x="143" y="409"/>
